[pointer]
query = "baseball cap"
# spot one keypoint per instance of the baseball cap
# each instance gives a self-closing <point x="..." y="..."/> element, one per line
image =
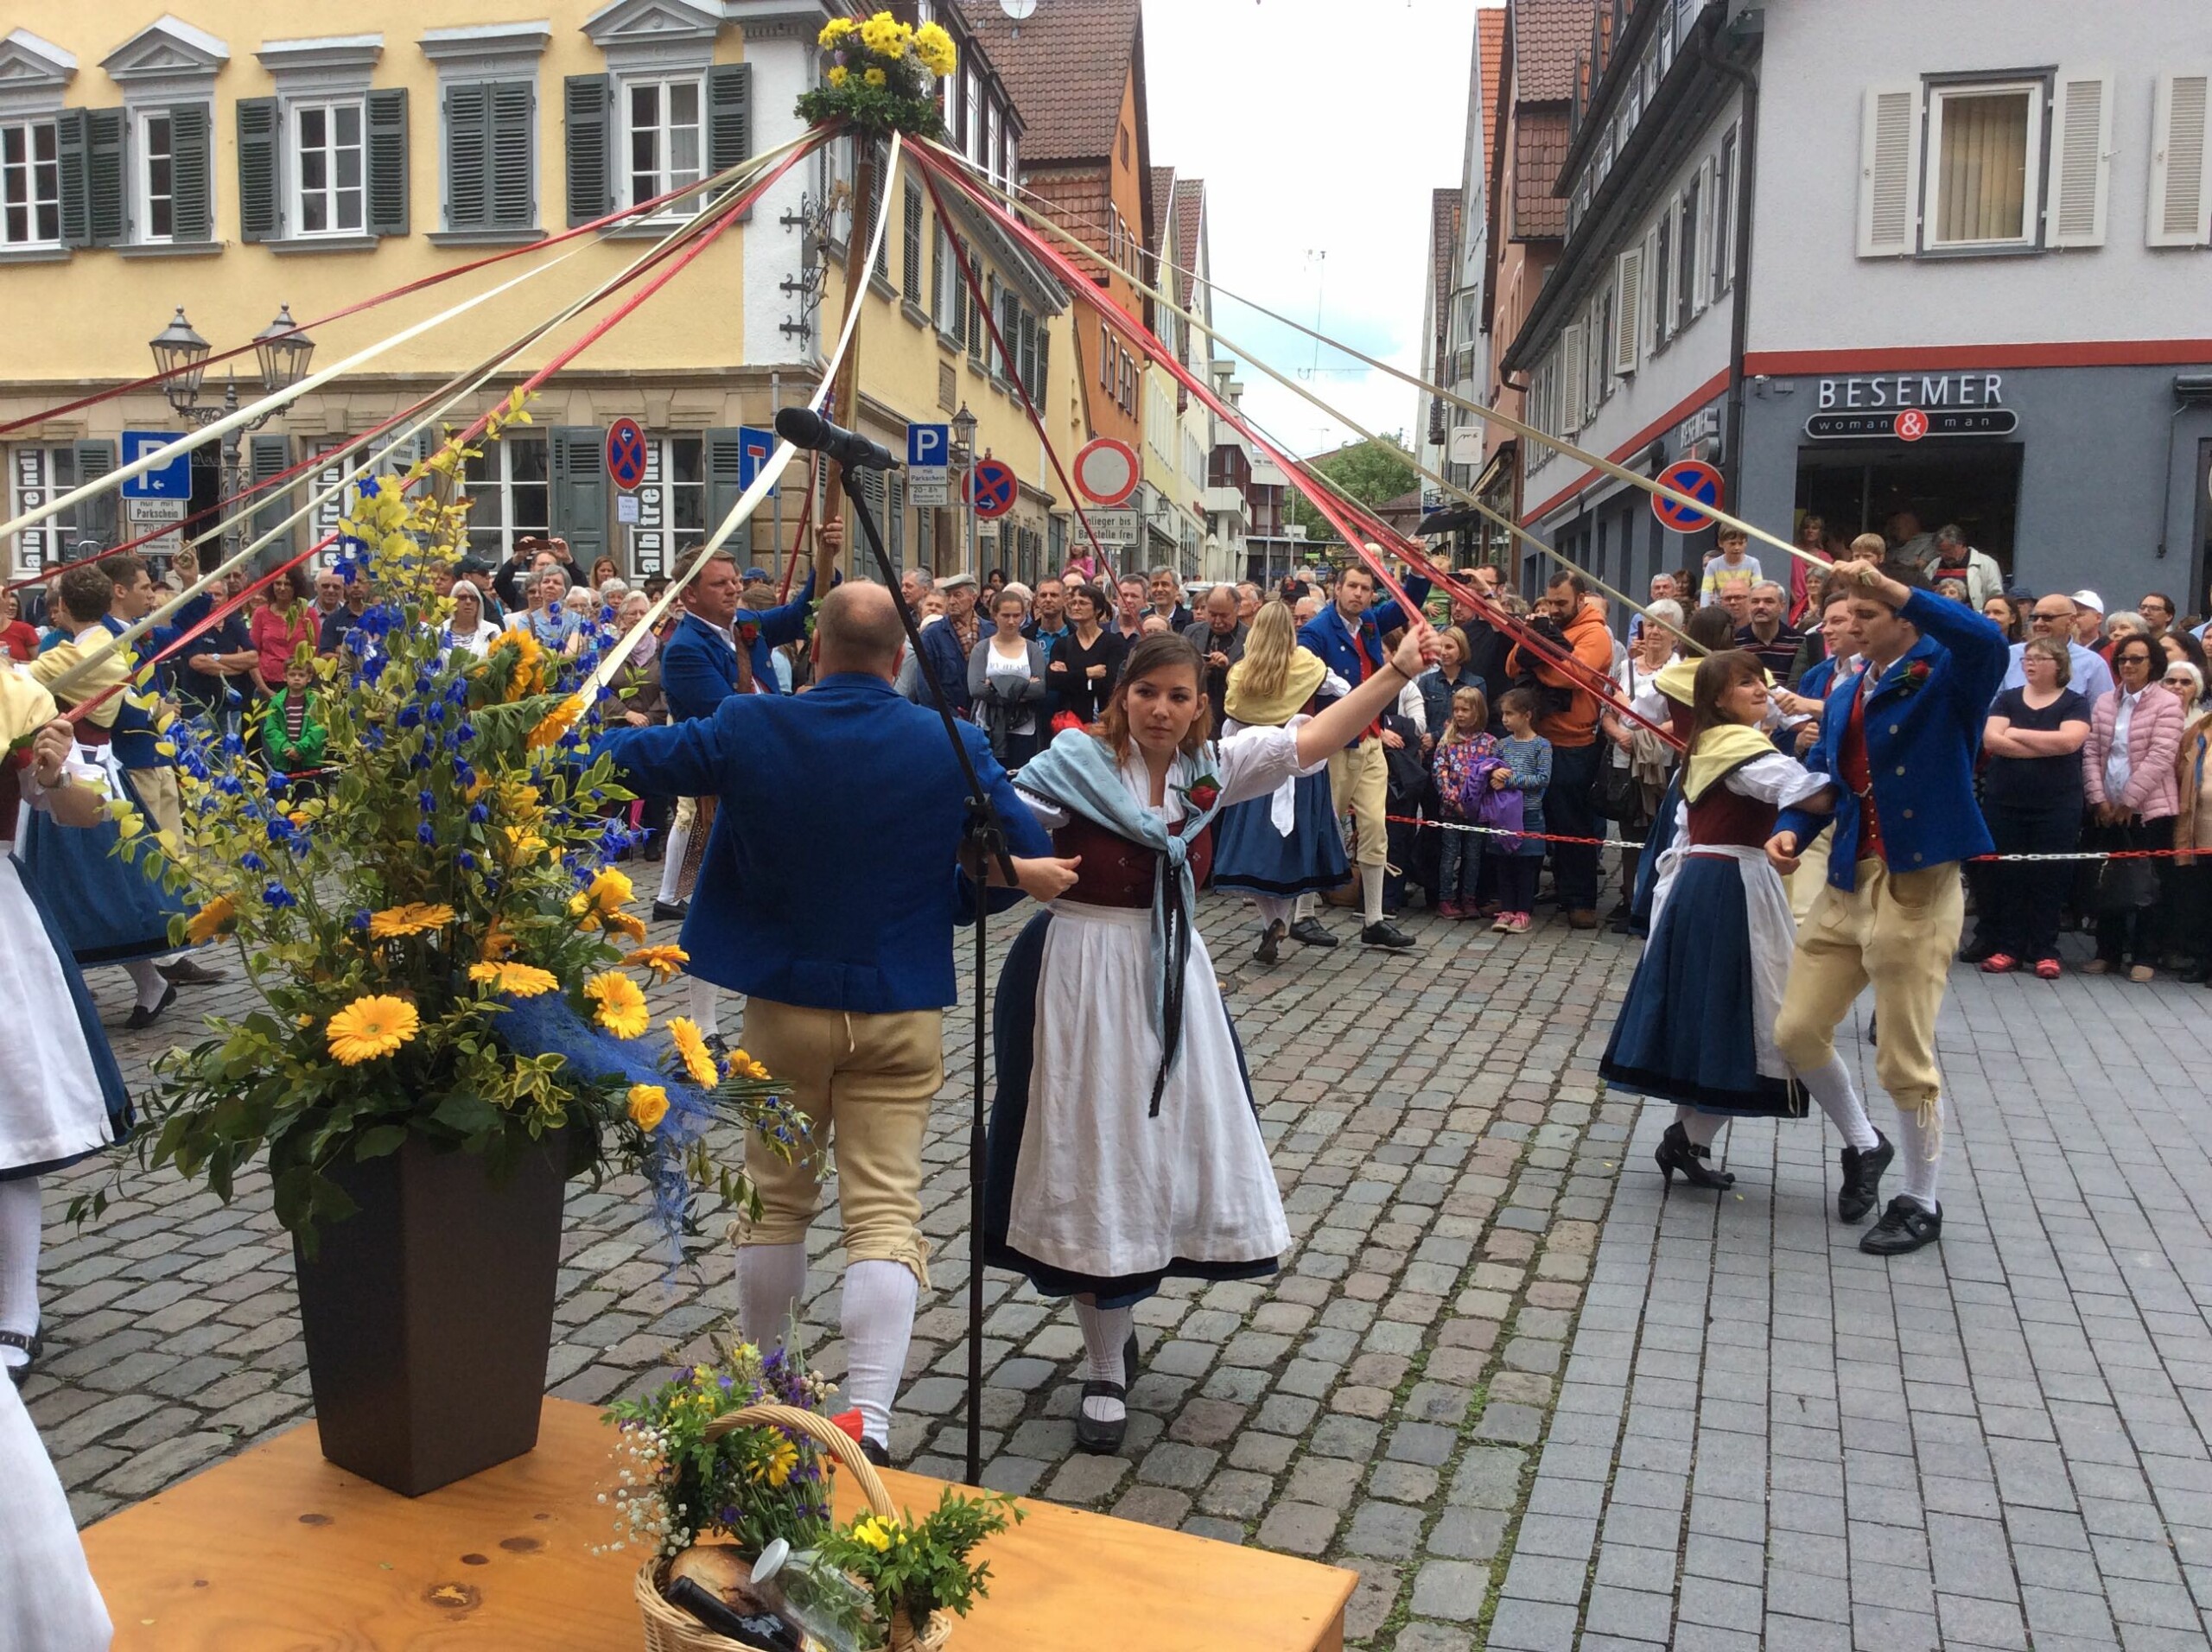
<point x="2088" y="600"/>
<point x="756" y="575"/>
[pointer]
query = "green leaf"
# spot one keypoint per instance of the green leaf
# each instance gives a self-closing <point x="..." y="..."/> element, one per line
<point x="377" y="1142"/>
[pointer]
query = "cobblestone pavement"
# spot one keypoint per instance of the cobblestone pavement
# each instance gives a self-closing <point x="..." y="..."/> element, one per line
<point x="1412" y="1396"/>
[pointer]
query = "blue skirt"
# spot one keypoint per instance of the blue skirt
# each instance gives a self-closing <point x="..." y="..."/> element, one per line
<point x="36" y="1116"/>
<point x="1252" y="858"/>
<point x="1685" y="1033"/>
<point x="1657" y="840"/>
<point x="1014" y="1043"/>
<point x="107" y="909"/>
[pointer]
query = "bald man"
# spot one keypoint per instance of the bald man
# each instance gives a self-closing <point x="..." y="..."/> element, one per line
<point x="844" y="952"/>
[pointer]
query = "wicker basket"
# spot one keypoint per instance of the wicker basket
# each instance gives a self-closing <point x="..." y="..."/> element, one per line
<point x="671" y="1629"/>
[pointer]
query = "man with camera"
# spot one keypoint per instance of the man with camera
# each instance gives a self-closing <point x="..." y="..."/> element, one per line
<point x="1572" y="623"/>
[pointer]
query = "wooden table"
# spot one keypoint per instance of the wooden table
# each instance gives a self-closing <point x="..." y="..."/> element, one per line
<point x="276" y="1551"/>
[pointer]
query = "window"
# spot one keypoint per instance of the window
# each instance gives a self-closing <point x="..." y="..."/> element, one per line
<point x="950" y="289"/>
<point x="911" y="242"/>
<point x="1984" y="147"/>
<point x="1722" y="249"/>
<point x="509" y="493"/>
<point x="979" y="332"/>
<point x="35" y="475"/>
<point x="327" y="168"/>
<point x="993" y="156"/>
<point x="661" y="140"/>
<point x="1010" y="332"/>
<point x="972" y="140"/>
<point x="156" y="173"/>
<point x="30" y="184"/>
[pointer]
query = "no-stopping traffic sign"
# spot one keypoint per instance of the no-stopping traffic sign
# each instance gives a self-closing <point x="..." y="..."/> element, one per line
<point x="1698" y="479"/>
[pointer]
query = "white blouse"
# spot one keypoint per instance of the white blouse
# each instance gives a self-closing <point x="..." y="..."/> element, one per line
<point x="1251" y="763"/>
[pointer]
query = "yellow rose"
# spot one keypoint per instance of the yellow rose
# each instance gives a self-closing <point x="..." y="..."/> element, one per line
<point x="648" y="1106"/>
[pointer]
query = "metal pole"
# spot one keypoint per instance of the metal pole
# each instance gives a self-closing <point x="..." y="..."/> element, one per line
<point x="776" y="406"/>
<point x="968" y="556"/>
<point x="232" y="469"/>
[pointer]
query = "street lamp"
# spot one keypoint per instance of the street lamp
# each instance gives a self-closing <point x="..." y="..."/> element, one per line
<point x="283" y="352"/>
<point x="963" y="454"/>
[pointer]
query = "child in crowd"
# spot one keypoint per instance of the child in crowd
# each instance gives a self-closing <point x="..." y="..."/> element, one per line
<point x="1527" y="769"/>
<point x="291" y="735"/>
<point x="1466" y="756"/>
<point x="1731" y="567"/>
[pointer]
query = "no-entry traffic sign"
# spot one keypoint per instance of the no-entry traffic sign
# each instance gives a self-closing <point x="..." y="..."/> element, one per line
<point x="992" y="486"/>
<point x="1106" y="471"/>
<point x="625" y="454"/>
<point x="1698" y="479"/>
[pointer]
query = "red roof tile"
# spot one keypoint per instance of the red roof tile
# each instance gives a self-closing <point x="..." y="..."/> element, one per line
<point x="1189" y="217"/>
<point x="1076" y="201"/>
<point x="1489" y="45"/>
<point x="1065" y="71"/>
<point x="1540" y="145"/>
<point x="1443" y="249"/>
<point x="1549" y="37"/>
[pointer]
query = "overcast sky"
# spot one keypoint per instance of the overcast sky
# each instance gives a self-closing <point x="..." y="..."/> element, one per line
<point x="1319" y="126"/>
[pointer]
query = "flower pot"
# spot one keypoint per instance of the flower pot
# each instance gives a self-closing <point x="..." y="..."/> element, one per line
<point x="429" y="1313"/>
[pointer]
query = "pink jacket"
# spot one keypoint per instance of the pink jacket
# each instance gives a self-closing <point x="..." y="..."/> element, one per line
<point x="2153" y="742"/>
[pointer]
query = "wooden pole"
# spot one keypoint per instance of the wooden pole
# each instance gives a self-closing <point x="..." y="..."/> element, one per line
<point x="844" y="393"/>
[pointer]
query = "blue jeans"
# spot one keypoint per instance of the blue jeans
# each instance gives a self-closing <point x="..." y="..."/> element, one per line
<point x="1461" y="865"/>
<point x="1568" y="812"/>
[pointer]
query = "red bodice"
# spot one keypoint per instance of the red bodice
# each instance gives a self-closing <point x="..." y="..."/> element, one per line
<point x="1116" y="872"/>
<point x="1722" y="817"/>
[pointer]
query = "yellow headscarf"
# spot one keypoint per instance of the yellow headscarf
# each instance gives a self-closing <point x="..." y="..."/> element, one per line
<point x="1719" y="750"/>
<point x="25" y="707"/>
<point x="1303" y="676"/>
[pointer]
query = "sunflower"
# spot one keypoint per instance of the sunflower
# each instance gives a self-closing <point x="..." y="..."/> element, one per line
<point x="520" y="980"/>
<point x="211" y="920"/>
<point x="648" y="1106"/>
<point x="663" y="961"/>
<point x="411" y="918"/>
<point x="692" y="1048"/>
<point x="621" y="1007"/>
<point x="370" y="1028"/>
<point x="556" y="724"/>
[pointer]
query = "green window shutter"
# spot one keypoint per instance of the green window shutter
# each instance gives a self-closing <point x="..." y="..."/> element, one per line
<point x="96" y="517"/>
<point x="578" y="454"/>
<point x="270" y="455"/>
<point x="258" y="218"/>
<point x="513" y="113"/>
<point x="76" y="189"/>
<point x="386" y="124"/>
<point x="588" y="103"/>
<point x="104" y="131"/>
<point x="730" y="115"/>
<point x="725" y="473"/>
<point x="192" y="149"/>
<point x="468" y="174"/>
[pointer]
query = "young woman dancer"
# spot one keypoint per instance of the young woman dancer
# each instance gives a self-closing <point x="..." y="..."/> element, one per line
<point x="1277" y="848"/>
<point x="1124" y="1146"/>
<point x="1697" y="1027"/>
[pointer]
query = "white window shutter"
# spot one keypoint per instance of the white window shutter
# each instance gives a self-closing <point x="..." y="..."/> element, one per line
<point x="1647" y="311"/>
<point x="1628" y="307"/>
<point x="1570" y="372"/>
<point x="1889" y="171"/>
<point x="1708" y="217"/>
<point x="2080" y="160"/>
<point x="2179" y="186"/>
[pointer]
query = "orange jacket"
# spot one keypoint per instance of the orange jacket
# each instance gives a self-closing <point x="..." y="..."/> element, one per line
<point x="1586" y="634"/>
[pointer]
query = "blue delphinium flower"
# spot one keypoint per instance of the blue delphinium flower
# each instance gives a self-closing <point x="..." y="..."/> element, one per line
<point x="278" y="896"/>
<point x="425" y="835"/>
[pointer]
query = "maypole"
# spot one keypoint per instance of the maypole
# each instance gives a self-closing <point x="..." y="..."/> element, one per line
<point x="844" y="390"/>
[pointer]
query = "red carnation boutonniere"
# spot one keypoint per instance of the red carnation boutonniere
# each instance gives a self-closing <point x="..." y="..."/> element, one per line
<point x="749" y="633"/>
<point x="1915" y="675"/>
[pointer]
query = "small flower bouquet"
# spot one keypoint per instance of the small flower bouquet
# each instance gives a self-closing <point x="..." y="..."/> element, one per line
<point x="917" y="1569"/>
<point x="441" y="948"/>
<point x="880" y="75"/>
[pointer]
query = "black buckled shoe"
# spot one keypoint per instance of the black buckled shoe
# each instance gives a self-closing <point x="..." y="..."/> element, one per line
<point x="668" y="910"/>
<point x="1385" y="935"/>
<point x="1862" y="1178"/>
<point x="1904" y="1227"/>
<point x="876" y="1451"/>
<point x="1308" y="932"/>
<point x="141" y="1018"/>
<point x="1676" y="1152"/>
<point x="1270" y="948"/>
<point x="1101" y="1439"/>
<point x="31" y="1346"/>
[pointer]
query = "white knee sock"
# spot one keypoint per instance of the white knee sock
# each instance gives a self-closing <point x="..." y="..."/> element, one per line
<point x="1370" y="893"/>
<point x="19" y="1240"/>
<point x="148" y="980"/>
<point x="1920" y="1148"/>
<point x="769" y="1281"/>
<point x="1302" y="909"/>
<point x="1830" y="1084"/>
<point x="671" y="862"/>
<point x="1104" y="1331"/>
<point x="705" y="1001"/>
<point x="1700" y="1128"/>
<point x="879" y="1323"/>
<point x="1273" y="910"/>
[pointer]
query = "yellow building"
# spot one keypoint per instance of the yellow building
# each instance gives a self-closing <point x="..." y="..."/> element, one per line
<point x="152" y="161"/>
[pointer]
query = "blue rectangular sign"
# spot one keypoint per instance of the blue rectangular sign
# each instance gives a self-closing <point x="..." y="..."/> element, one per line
<point x="928" y="445"/>
<point x="170" y="482"/>
<point x="754" y="445"/>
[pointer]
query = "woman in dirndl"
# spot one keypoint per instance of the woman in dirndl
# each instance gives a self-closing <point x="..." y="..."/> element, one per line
<point x="1125" y="1148"/>
<point x="1697" y="1027"/>
<point x="1286" y="844"/>
<point x="61" y="1099"/>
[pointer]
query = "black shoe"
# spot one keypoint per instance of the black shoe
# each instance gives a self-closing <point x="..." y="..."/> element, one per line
<point x="2195" y="975"/>
<point x="1862" y="1178"/>
<point x="876" y="1451"/>
<point x="141" y="1018"/>
<point x="1308" y="932"/>
<point x="664" y="911"/>
<point x="31" y="1344"/>
<point x="1904" y="1227"/>
<point x="1130" y="1359"/>
<point x="652" y="852"/>
<point x="1101" y="1439"/>
<point x="1977" y="952"/>
<point x="1677" y="1152"/>
<point x="1270" y="948"/>
<point x="185" y="973"/>
<point x="1385" y="934"/>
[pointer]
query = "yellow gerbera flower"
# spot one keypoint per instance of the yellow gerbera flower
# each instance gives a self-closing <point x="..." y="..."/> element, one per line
<point x="648" y="1107"/>
<point x="211" y="920"/>
<point x="370" y="1028"/>
<point x="411" y="918"/>
<point x="875" y="77"/>
<point x="556" y="724"/>
<point x="691" y="1047"/>
<point x="621" y="1007"/>
<point x="632" y="929"/>
<point x="601" y="898"/>
<point x="663" y="961"/>
<point x="838" y="76"/>
<point x="935" y="48"/>
<point x="835" y="30"/>
<point x="741" y="1065"/>
<point x="522" y="980"/>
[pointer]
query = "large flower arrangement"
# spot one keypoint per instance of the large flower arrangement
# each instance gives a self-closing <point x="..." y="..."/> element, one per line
<point x="441" y="946"/>
<point x="880" y="75"/>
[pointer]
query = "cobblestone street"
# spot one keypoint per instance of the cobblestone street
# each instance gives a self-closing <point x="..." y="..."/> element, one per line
<point x="1530" y="1412"/>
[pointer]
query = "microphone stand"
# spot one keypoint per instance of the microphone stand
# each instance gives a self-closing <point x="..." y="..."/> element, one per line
<point x="983" y="841"/>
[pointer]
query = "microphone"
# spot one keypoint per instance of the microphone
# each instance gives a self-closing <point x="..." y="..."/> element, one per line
<point x="804" y="428"/>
